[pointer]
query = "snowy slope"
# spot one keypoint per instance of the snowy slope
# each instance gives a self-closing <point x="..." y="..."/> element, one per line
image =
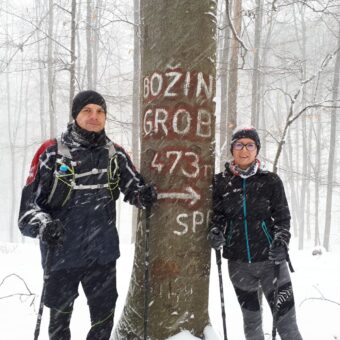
<point x="317" y="278"/>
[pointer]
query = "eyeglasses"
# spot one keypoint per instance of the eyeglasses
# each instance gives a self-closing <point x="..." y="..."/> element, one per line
<point x="240" y="146"/>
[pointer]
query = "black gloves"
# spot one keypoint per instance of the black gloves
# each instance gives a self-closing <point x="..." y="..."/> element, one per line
<point x="52" y="233"/>
<point x="278" y="251"/>
<point x="216" y="238"/>
<point x="148" y="195"/>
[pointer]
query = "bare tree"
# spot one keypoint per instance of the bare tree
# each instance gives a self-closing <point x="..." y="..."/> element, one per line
<point x="256" y="73"/>
<point x="89" y="44"/>
<point x="223" y="75"/>
<point x="73" y="54"/>
<point x="332" y="146"/>
<point x="233" y="70"/>
<point x="136" y="102"/>
<point x="50" y="76"/>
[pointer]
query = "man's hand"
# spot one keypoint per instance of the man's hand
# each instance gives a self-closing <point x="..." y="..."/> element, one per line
<point x="216" y="238"/>
<point x="148" y="195"/>
<point x="52" y="233"/>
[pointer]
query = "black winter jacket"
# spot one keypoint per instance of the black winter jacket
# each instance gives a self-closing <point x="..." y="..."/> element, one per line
<point x="89" y="215"/>
<point x="251" y="212"/>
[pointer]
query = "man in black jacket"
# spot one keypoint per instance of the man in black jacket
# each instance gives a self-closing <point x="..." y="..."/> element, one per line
<point x="69" y="203"/>
<point x="251" y="221"/>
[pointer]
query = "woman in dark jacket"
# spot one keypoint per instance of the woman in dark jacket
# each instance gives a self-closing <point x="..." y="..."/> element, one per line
<point x="251" y="221"/>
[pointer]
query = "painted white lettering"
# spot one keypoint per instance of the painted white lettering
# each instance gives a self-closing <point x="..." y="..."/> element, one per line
<point x="161" y="117"/>
<point x="147" y="125"/>
<point x="178" y="155"/>
<point x="186" y="84"/>
<point x="186" y="119"/>
<point x="197" y="220"/>
<point x="202" y="85"/>
<point x="175" y="76"/>
<point x="156" y="165"/>
<point x="182" y="224"/>
<point x="146" y="87"/>
<point x="156" y="84"/>
<point x="194" y="164"/>
<point x="203" y="123"/>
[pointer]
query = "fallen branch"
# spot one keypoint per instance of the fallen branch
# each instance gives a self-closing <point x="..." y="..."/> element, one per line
<point x="28" y="294"/>
<point x="318" y="298"/>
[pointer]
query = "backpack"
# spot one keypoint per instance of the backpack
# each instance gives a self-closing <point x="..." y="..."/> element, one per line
<point x="65" y="176"/>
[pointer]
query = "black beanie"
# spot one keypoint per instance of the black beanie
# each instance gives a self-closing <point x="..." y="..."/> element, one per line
<point x="245" y="132"/>
<point x="86" y="97"/>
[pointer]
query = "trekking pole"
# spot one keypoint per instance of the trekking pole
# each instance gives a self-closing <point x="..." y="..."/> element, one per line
<point x="219" y="267"/>
<point x="146" y="270"/>
<point x="276" y="297"/>
<point x="42" y="298"/>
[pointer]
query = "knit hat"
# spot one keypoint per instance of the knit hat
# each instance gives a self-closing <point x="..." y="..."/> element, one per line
<point x="86" y="97"/>
<point x="245" y="132"/>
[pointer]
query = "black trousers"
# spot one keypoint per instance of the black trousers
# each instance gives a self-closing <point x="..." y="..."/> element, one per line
<point x="99" y="285"/>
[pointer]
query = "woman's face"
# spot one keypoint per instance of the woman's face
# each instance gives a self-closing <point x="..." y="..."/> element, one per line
<point x="244" y="152"/>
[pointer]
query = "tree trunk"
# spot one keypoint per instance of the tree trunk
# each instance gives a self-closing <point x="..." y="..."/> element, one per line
<point x="233" y="70"/>
<point x="178" y="77"/>
<point x="50" y="77"/>
<point x="73" y="56"/>
<point x="95" y="49"/>
<point x="332" y="146"/>
<point x="42" y="113"/>
<point x="256" y="73"/>
<point x="317" y="240"/>
<point x="89" y="44"/>
<point x="224" y="62"/>
<point x="11" y="176"/>
<point x="136" y="104"/>
<point x="304" y="136"/>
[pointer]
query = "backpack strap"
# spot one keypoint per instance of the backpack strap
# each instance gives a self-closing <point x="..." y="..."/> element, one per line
<point x="63" y="149"/>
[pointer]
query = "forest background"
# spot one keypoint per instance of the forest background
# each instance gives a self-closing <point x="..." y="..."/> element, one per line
<point x="277" y="69"/>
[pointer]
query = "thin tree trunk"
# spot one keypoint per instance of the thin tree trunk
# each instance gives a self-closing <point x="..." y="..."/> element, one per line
<point x="304" y="139"/>
<point x="136" y="104"/>
<point x="50" y="77"/>
<point x="233" y="73"/>
<point x="178" y="77"/>
<point x="89" y="44"/>
<point x="224" y="62"/>
<point x="317" y="240"/>
<point x="331" y="155"/>
<point x="256" y="64"/>
<point x="95" y="50"/>
<point x="73" y="56"/>
<point x="42" y="114"/>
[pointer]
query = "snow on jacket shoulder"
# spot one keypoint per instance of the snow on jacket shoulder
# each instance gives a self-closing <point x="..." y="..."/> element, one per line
<point x="250" y="212"/>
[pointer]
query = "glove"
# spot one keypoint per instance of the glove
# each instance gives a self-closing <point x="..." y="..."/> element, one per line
<point x="52" y="233"/>
<point x="216" y="238"/>
<point x="148" y="195"/>
<point x="278" y="251"/>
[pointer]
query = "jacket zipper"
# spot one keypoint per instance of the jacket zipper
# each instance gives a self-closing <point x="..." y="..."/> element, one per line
<point x="265" y="230"/>
<point x="245" y="222"/>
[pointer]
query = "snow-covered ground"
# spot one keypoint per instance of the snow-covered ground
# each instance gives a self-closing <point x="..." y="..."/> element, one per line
<point x="316" y="284"/>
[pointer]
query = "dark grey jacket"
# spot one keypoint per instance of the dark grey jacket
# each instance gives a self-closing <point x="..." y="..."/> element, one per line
<point x="251" y="213"/>
<point x="89" y="215"/>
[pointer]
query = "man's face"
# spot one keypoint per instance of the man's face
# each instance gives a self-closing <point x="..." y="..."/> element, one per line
<point x="92" y="118"/>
